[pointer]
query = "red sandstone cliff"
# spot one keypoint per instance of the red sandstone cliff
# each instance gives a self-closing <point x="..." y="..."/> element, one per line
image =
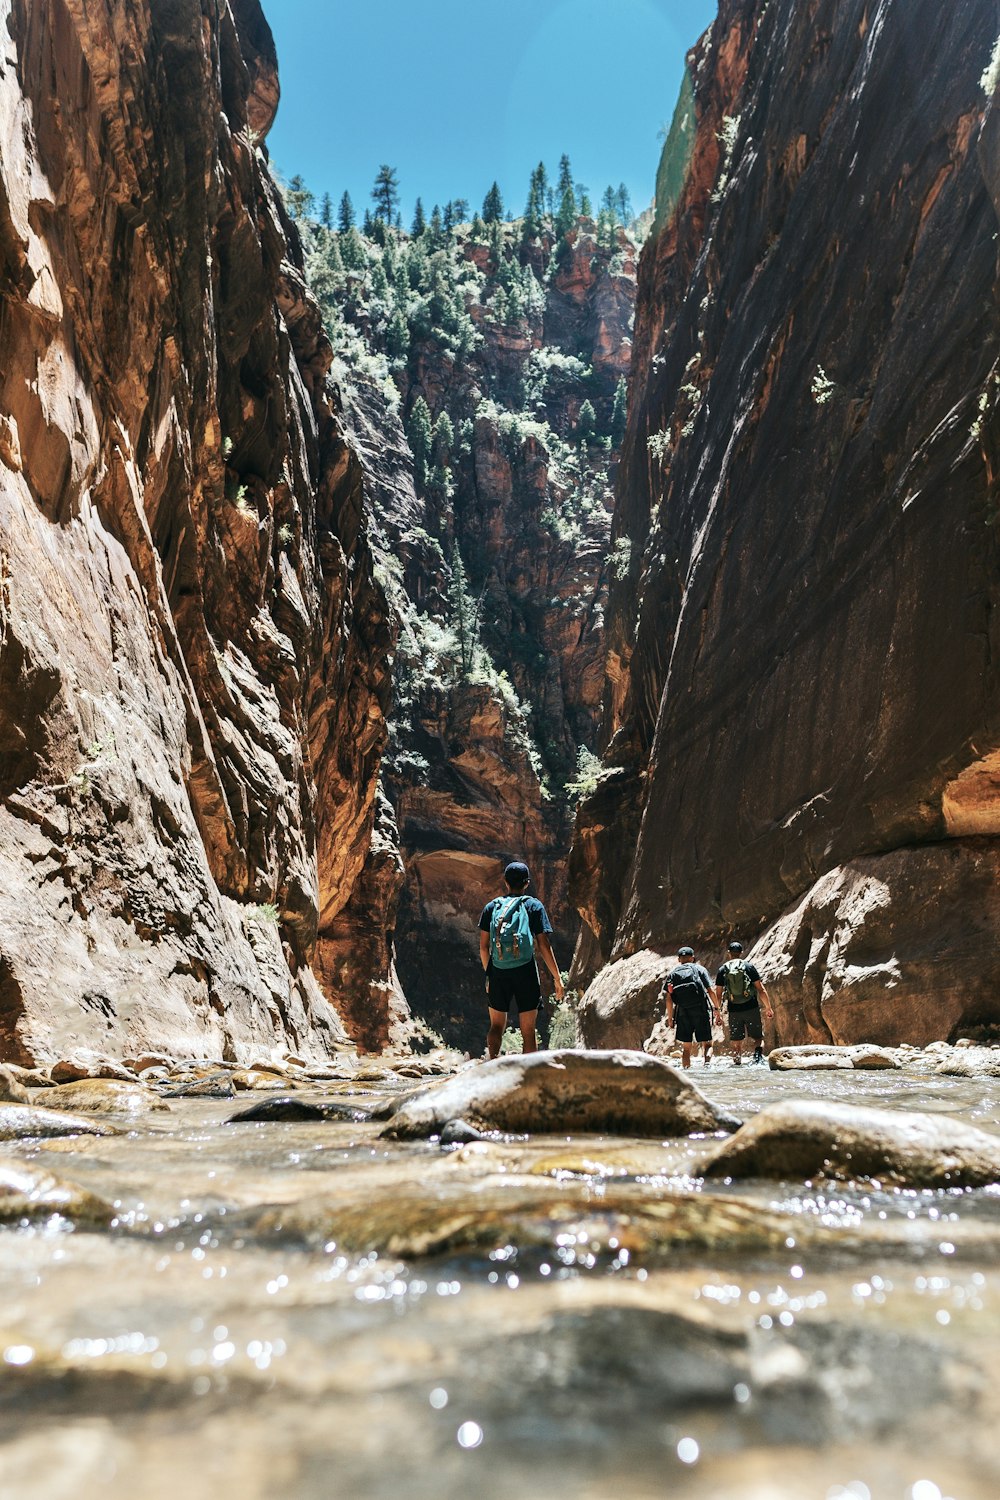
<point x="801" y="701"/>
<point x="194" y="655"/>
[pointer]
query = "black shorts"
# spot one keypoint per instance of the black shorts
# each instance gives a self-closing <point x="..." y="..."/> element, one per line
<point x="744" y="1021"/>
<point x="693" y="1025"/>
<point x="514" y="989"/>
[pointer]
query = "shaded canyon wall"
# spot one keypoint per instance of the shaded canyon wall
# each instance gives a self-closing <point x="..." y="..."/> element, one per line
<point x="801" y="710"/>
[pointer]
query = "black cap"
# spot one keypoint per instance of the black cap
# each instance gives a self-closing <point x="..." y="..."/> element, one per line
<point x="685" y="953"/>
<point x="735" y="947"/>
<point x="517" y="873"/>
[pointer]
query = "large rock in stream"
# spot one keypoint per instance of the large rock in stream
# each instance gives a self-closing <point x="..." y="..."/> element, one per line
<point x="19" y="1121"/>
<point x="618" y="1093"/>
<point x="801" y="1138"/>
<point x="28" y="1192"/>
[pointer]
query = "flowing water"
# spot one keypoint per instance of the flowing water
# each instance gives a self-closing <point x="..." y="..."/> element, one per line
<point x="308" y="1310"/>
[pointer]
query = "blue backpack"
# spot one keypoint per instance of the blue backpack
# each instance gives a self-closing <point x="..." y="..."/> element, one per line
<point x="511" y="940"/>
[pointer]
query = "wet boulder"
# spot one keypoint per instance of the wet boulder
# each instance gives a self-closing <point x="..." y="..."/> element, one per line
<point x="287" y="1108"/>
<point x="28" y="1192"/>
<point x="812" y="1138"/>
<point x="970" y="1061"/>
<point x="104" y="1096"/>
<point x="819" y="1056"/>
<point x="84" y="1064"/>
<point x="213" y="1086"/>
<point x="618" y="1093"/>
<point x="27" y="1121"/>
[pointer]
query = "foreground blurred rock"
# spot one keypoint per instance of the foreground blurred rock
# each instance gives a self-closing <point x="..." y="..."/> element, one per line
<point x="808" y="1139"/>
<point x="801" y="695"/>
<point x="193" y="651"/>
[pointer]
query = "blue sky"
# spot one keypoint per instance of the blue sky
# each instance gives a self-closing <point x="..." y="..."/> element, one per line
<point x="453" y="93"/>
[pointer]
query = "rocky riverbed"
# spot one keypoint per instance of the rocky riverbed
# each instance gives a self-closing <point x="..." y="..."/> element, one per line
<point x="302" y="1302"/>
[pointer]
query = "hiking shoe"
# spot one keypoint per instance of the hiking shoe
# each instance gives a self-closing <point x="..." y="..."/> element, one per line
<point x="737" y="1062"/>
<point x="758" y="1056"/>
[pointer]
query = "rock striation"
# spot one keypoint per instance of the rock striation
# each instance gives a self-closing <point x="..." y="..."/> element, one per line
<point x="194" y="652"/>
<point x="801" y="698"/>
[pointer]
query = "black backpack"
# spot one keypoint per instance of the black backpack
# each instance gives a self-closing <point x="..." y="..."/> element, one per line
<point x="688" y="987"/>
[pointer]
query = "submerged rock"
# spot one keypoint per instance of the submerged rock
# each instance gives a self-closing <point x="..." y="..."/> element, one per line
<point x="816" y="1055"/>
<point x="298" y="1109"/>
<point x="622" y="1093"/>
<point x="812" y="1138"/>
<point x="26" y="1192"/>
<point x="214" y="1086"/>
<point x="104" y="1096"/>
<point x="19" y="1121"/>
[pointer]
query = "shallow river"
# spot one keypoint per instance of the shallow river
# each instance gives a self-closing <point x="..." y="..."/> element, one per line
<point x="602" y="1325"/>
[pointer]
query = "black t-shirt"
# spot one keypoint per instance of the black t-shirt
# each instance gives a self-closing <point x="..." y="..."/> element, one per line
<point x="538" y="917"/>
<point x="753" y="977"/>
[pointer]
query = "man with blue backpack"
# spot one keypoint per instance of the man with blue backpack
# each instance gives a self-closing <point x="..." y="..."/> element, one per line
<point x="691" y="1005"/>
<point x="512" y="929"/>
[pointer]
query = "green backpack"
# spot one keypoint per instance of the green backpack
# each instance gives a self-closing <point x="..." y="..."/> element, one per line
<point x="739" y="986"/>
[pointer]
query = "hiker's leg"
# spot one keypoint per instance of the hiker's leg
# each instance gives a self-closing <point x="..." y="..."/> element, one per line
<point x="685" y="1054"/>
<point x="498" y="1021"/>
<point x="737" y="1046"/>
<point x="526" y="1020"/>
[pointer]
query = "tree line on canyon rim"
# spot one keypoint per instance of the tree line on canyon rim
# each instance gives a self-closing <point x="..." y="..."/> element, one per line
<point x="452" y="291"/>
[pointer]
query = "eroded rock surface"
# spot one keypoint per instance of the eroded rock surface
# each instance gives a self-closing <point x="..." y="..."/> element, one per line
<point x="808" y="1139"/>
<point x="806" y="501"/>
<point x="623" y="1093"/>
<point x="193" y="650"/>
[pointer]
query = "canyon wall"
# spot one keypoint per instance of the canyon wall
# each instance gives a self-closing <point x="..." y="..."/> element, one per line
<point x="194" y="652"/>
<point x="802" y="723"/>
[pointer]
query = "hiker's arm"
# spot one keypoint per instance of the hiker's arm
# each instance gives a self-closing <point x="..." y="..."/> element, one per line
<point x="549" y="960"/>
<point x="670" y="1005"/>
<point x="762" y="992"/>
<point x="484" y="949"/>
<point x="717" y="999"/>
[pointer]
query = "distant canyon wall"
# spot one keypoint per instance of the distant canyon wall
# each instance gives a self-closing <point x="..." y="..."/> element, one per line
<point x="802" y="717"/>
<point x="194" y="653"/>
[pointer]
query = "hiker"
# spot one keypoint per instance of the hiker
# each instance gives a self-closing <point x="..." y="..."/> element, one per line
<point x="688" y="992"/>
<point x="512" y="929"/>
<point x="739" y="984"/>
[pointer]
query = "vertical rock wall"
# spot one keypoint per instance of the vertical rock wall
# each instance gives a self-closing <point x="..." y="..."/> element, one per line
<point x="194" y="655"/>
<point x="802" y="706"/>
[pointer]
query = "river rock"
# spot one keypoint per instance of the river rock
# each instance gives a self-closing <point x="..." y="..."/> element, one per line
<point x="800" y="1138"/>
<point x="299" y="1109"/>
<point x="815" y="1055"/>
<point x="250" y="1080"/>
<point x="214" y="1086"/>
<point x="104" y="1096"/>
<point x="28" y="1192"/>
<point x="11" y="1090"/>
<point x="970" y="1062"/>
<point x="148" y="1060"/>
<point x="620" y="1093"/>
<point x="88" y="1065"/>
<point x="19" y="1121"/>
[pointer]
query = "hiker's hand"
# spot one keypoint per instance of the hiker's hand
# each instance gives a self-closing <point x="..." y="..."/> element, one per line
<point x="560" y="988"/>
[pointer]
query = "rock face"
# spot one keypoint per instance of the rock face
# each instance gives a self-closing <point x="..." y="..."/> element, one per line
<point x="801" y="697"/>
<point x="194" y="655"/>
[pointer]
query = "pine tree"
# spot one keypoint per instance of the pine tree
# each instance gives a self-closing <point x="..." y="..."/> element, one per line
<point x="493" y="205"/>
<point x="495" y="241"/>
<point x="623" y="203"/>
<point x="345" y="214"/>
<point x="437" y="231"/>
<point x="419" y="222"/>
<point x="609" y="202"/>
<point x="460" y="210"/>
<point x="299" y="199"/>
<point x="465" y="613"/>
<point x="565" y="182"/>
<point x="397" y="337"/>
<point x="352" y="250"/>
<point x="449" y="217"/>
<point x="368" y="225"/>
<point x="385" y="193"/>
<point x="583" y="199"/>
<point x="326" y="212"/>
<point x="380" y="282"/>
<point x="478" y="228"/>
<point x="444" y="439"/>
<point x="619" y="412"/>
<point x="586" y="425"/>
<point x="419" y="433"/>
<point x="534" y="208"/>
